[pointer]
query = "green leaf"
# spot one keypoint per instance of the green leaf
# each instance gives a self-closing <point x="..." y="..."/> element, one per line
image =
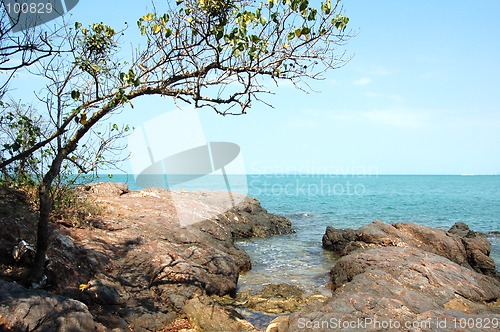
<point x="312" y="15"/>
<point x="326" y="7"/>
<point x="219" y="34"/>
<point x="15" y="147"/>
<point x="78" y="25"/>
<point x="303" y="5"/>
<point x="75" y="94"/>
<point x="340" y="22"/>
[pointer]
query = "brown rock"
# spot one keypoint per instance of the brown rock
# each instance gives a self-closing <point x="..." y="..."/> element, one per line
<point x="206" y="315"/>
<point x="471" y="251"/>
<point x="402" y="285"/>
<point x="278" y="324"/>
<point x="106" y="189"/>
<point x="25" y="310"/>
<point x="137" y="266"/>
<point x="462" y="229"/>
<point x="276" y="299"/>
<point x="337" y="239"/>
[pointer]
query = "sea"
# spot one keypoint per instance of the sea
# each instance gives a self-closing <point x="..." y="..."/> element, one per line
<point x="314" y="201"/>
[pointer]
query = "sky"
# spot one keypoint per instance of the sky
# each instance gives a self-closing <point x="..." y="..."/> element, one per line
<point x="421" y="95"/>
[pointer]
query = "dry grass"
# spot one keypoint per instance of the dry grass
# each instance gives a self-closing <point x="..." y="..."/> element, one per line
<point x="71" y="207"/>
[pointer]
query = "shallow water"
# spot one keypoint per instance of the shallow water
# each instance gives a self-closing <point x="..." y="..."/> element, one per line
<point x="314" y="202"/>
<point x="286" y="259"/>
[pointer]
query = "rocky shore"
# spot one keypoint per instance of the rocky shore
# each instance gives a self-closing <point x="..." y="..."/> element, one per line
<point x="405" y="277"/>
<point x="137" y="269"/>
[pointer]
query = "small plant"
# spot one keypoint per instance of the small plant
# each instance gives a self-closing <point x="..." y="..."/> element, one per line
<point x="72" y="208"/>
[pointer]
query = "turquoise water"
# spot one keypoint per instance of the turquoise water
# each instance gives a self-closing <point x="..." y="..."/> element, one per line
<point x="313" y="202"/>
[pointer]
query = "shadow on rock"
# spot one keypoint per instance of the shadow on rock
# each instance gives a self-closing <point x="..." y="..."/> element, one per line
<point x="137" y="268"/>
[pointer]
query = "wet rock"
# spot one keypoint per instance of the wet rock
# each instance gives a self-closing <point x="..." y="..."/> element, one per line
<point x="207" y="315"/>
<point x="263" y="224"/>
<point x="278" y="298"/>
<point x="275" y="298"/>
<point x="462" y="229"/>
<point x="337" y="239"/>
<point x="29" y="310"/>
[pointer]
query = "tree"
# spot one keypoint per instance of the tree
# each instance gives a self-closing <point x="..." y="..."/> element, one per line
<point x="208" y="53"/>
<point x="18" y="123"/>
<point x="24" y="49"/>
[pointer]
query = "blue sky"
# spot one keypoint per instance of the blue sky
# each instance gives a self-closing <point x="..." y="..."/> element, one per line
<point x="420" y="96"/>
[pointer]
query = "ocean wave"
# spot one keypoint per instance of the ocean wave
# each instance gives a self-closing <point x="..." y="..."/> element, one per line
<point x="494" y="235"/>
<point x="301" y="215"/>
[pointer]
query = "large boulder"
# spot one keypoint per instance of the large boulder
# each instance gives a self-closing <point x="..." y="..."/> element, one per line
<point x="25" y="310"/>
<point x="459" y="244"/>
<point x="399" y="289"/>
<point x="405" y="277"/>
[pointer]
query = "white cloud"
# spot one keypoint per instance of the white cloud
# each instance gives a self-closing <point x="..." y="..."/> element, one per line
<point x="363" y="81"/>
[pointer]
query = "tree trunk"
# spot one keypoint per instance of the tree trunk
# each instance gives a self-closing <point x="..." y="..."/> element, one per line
<point x="46" y="202"/>
<point x="42" y="242"/>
